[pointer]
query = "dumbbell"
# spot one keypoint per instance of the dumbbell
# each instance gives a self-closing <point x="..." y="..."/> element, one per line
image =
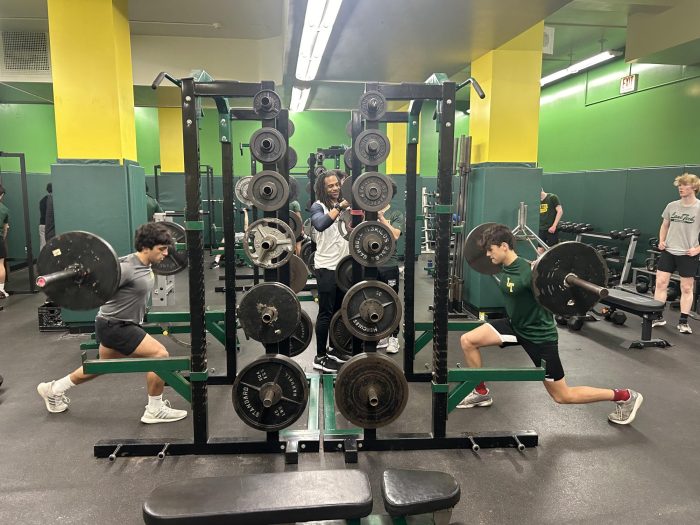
<point x="585" y="228"/>
<point x="615" y="234"/>
<point x="654" y="243"/>
<point x="612" y="251"/>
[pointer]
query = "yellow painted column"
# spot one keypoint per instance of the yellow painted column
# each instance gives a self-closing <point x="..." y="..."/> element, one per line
<point x="505" y="125"/>
<point x="396" y="132"/>
<point x="93" y="84"/>
<point x="172" y="153"/>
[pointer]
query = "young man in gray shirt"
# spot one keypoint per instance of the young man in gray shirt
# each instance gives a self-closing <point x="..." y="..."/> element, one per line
<point x="118" y="328"/>
<point x="680" y="246"/>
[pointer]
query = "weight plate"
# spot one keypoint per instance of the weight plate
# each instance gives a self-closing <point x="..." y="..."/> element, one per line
<point x="372" y="105"/>
<point x="371" y="243"/>
<point x="99" y="267"/>
<point x="475" y="255"/>
<point x="307" y="227"/>
<point x="346" y="189"/>
<point x="290" y="128"/>
<point x="267" y="145"/>
<point x="318" y="171"/>
<point x="176" y="261"/>
<point x="372" y="191"/>
<point x="551" y="269"/>
<point x="269" y="243"/>
<point x="267" y="104"/>
<point x="341" y="338"/>
<point x="371" y="310"/>
<point x="298" y="273"/>
<point x="347" y="158"/>
<point x="301" y="338"/>
<point x="343" y="273"/>
<point x="308" y="248"/>
<point x="270" y="393"/>
<point x="241" y="190"/>
<point x="292" y="157"/>
<point x="268" y="190"/>
<point x="295" y="225"/>
<point x="348" y="128"/>
<point x="269" y="312"/>
<point x="372" y="147"/>
<point x="345" y="223"/>
<point x="371" y="391"/>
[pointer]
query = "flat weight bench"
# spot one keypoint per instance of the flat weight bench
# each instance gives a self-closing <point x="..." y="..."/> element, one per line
<point x="412" y="492"/>
<point x="646" y="308"/>
<point x="258" y="499"/>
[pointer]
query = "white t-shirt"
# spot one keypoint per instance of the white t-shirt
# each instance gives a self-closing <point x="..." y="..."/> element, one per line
<point x="330" y="245"/>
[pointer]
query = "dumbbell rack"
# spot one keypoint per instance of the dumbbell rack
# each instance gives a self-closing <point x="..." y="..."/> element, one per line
<point x="626" y="261"/>
<point x="428" y="242"/>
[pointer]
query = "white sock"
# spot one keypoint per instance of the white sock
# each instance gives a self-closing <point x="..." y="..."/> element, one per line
<point x="61" y="385"/>
<point x="2" y="287"/>
<point x="155" y="402"/>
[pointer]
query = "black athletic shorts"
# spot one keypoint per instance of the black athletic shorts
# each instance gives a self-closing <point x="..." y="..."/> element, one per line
<point x="685" y="265"/>
<point x="122" y="336"/>
<point x="3" y="251"/>
<point x="550" y="239"/>
<point x="549" y="351"/>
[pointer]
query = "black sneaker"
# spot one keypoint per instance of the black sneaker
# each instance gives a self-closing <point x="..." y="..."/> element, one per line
<point x="325" y="364"/>
<point x="339" y="356"/>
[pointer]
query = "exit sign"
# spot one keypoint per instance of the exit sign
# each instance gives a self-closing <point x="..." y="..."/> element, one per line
<point x="628" y="84"/>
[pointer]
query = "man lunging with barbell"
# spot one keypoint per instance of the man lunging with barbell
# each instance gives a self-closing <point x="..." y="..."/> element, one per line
<point x="532" y="326"/>
<point x="118" y="327"/>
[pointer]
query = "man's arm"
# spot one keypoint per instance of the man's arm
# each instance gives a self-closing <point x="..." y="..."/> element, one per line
<point x="395" y="232"/>
<point x="322" y="221"/>
<point x="560" y="212"/>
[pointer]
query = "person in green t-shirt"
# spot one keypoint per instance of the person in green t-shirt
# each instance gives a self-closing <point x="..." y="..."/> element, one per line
<point x="550" y="215"/>
<point x="4" y="226"/>
<point x="152" y="206"/>
<point x="531" y="326"/>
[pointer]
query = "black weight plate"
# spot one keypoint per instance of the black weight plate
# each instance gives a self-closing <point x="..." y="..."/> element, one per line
<point x="301" y="338"/>
<point x="348" y="128"/>
<point x="269" y="312"/>
<point x="475" y="255"/>
<point x="307" y="253"/>
<point x="307" y="227"/>
<point x="371" y="391"/>
<point x="345" y="223"/>
<point x="343" y="273"/>
<point x="298" y="273"/>
<point x="290" y="128"/>
<point x="295" y="225"/>
<point x="372" y="191"/>
<point x="347" y="158"/>
<point x="101" y="271"/>
<point x="270" y="393"/>
<point x="371" y="310"/>
<point x="268" y="190"/>
<point x="372" y="105"/>
<point x="269" y="243"/>
<point x="372" y="147"/>
<point x="346" y="190"/>
<point x="341" y="338"/>
<point x="371" y="243"/>
<point x="267" y="145"/>
<point x="176" y="261"/>
<point x="267" y="104"/>
<point x="550" y="270"/>
<point x="318" y="171"/>
<point x="292" y="157"/>
<point x="241" y="190"/>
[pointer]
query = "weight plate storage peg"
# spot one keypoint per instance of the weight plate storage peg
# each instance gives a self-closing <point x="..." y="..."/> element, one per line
<point x="176" y="261"/>
<point x="269" y="312"/>
<point x="267" y="105"/>
<point x="372" y="105"/>
<point x="372" y="191"/>
<point x="372" y="147"/>
<point x="371" y="310"/>
<point x="371" y="391"/>
<point x="267" y="145"/>
<point x="269" y="243"/>
<point x="241" y="190"/>
<point x="78" y="270"/>
<point x="268" y="190"/>
<point x="371" y="243"/>
<point x="270" y="393"/>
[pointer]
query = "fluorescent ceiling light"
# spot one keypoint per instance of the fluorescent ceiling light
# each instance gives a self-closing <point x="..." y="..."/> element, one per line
<point x="579" y="66"/>
<point x="318" y="25"/>
<point x="299" y="98"/>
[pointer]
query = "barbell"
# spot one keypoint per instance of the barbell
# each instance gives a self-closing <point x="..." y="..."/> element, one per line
<point x="568" y="279"/>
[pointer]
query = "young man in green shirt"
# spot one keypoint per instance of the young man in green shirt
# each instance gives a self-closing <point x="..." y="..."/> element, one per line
<point x="550" y="215"/>
<point x="4" y="226"/>
<point x="531" y="326"/>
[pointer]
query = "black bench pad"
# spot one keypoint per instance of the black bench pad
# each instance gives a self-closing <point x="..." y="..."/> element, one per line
<point x="261" y="499"/>
<point x="632" y="302"/>
<point x="410" y="492"/>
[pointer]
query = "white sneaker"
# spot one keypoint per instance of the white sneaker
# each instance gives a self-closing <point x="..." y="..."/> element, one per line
<point x="4" y="294"/>
<point x="684" y="328"/>
<point x="383" y="343"/>
<point x="475" y="399"/>
<point x="55" y="403"/>
<point x="164" y="414"/>
<point x="658" y="322"/>
<point x="393" y="346"/>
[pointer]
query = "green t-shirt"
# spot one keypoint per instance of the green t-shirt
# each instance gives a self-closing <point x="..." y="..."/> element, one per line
<point x="294" y="206"/>
<point x="4" y="218"/>
<point x="528" y="318"/>
<point x="548" y="210"/>
<point x="152" y="206"/>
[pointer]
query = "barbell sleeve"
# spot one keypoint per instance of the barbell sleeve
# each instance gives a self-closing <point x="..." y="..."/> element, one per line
<point x="573" y="280"/>
<point x="69" y="273"/>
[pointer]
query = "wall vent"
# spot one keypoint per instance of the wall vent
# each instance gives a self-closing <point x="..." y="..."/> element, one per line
<point x="24" y="51"/>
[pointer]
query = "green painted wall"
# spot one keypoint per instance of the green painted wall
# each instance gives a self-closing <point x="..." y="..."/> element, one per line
<point x="147" y="138"/>
<point x="28" y="129"/>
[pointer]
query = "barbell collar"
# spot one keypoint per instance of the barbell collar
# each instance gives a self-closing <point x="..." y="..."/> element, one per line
<point x="573" y="280"/>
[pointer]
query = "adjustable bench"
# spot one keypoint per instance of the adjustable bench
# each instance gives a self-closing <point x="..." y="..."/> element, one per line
<point x="646" y="308"/>
<point x="412" y="492"/>
<point x="258" y="499"/>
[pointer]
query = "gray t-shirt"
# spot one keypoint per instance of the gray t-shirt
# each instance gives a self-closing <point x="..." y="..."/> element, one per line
<point x="131" y="299"/>
<point x="684" y="228"/>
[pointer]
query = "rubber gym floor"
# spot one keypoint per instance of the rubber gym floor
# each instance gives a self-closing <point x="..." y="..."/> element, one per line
<point x="585" y="469"/>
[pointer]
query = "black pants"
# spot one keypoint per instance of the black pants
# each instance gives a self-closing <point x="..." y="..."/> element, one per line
<point x="330" y="298"/>
<point x="390" y="276"/>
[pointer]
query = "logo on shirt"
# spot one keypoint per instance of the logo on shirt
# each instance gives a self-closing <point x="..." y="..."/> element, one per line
<point x="544" y="207"/>
<point x="510" y="284"/>
<point x="686" y="218"/>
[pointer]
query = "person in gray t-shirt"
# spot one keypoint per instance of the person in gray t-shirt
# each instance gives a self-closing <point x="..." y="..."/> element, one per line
<point x="118" y="327"/>
<point x="679" y="244"/>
